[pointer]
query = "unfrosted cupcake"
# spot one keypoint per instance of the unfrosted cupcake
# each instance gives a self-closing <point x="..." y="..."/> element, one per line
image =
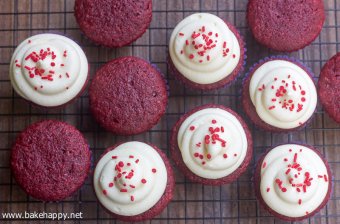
<point x="205" y="52"/>
<point x="211" y="145"/>
<point x="133" y="181"/>
<point x="329" y="87"/>
<point x="279" y="94"/>
<point x="285" y="25"/>
<point x="128" y="96"/>
<point x="49" y="70"/>
<point x="50" y="160"/>
<point x="292" y="181"/>
<point x="113" y="23"/>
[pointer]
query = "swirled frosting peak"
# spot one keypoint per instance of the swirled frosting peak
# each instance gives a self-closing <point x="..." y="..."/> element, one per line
<point x="204" y="49"/>
<point x="48" y="69"/>
<point x="130" y="179"/>
<point x="212" y="142"/>
<point x="294" y="180"/>
<point x="283" y="94"/>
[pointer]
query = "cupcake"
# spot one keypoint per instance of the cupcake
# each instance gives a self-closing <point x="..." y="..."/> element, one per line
<point x="285" y="25"/>
<point x="329" y="87"/>
<point x="49" y="70"/>
<point x="279" y="94"/>
<point x="50" y="160"/>
<point x="205" y="52"/>
<point x="292" y="181"/>
<point x="211" y="145"/>
<point x="133" y="181"/>
<point x="128" y="96"/>
<point x="113" y="23"/>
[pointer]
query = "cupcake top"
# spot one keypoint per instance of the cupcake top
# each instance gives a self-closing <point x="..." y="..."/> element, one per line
<point x="130" y="179"/>
<point x="212" y="142"/>
<point x="48" y="69"/>
<point x="203" y="49"/>
<point x="283" y="94"/>
<point x="294" y="180"/>
<point x="50" y="160"/>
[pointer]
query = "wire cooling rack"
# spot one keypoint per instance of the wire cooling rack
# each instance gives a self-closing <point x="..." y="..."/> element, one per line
<point x="192" y="203"/>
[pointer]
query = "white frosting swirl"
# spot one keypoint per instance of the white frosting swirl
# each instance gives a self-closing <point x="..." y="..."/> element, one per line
<point x="48" y="69"/>
<point x="130" y="179"/>
<point x="294" y="180"/>
<point x="212" y="142"/>
<point x="204" y="49"/>
<point x="283" y="94"/>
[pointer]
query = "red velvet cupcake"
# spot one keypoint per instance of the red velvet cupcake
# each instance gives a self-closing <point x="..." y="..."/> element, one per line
<point x="292" y="181"/>
<point x="49" y="70"/>
<point x="329" y="87"/>
<point x="279" y="94"/>
<point x="113" y="23"/>
<point x="205" y="52"/>
<point x="285" y="25"/>
<point x="50" y="160"/>
<point x="128" y="96"/>
<point x="211" y="145"/>
<point x="133" y="181"/>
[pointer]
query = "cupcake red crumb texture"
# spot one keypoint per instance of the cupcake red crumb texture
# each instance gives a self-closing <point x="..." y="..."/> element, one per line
<point x="329" y="87"/>
<point x="128" y="96"/>
<point x="113" y="23"/>
<point x="285" y="25"/>
<point x="50" y="160"/>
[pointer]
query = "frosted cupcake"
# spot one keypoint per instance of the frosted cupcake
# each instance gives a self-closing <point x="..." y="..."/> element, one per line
<point x="279" y="94"/>
<point x="205" y="52"/>
<point x="211" y="145"/>
<point x="133" y="181"/>
<point x="292" y="181"/>
<point x="49" y="70"/>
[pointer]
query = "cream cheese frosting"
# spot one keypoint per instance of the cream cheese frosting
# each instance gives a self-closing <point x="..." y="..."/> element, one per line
<point x="204" y="49"/>
<point x="212" y="142"/>
<point x="283" y="94"/>
<point x="294" y="180"/>
<point x="130" y="179"/>
<point x="48" y="69"/>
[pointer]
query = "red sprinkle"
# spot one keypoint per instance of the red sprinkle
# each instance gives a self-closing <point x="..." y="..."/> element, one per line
<point x="154" y="170"/>
<point x="295" y="157"/>
<point x="104" y="192"/>
<point x="268" y="189"/>
<point x="143" y="181"/>
<point x="111" y="184"/>
<point x="132" y="198"/>
<point x="114" y="157"/>
<point x="325" y="177"/>
<point x="225" y="156"/>
<point x="300" y="201"/>
<point x="123" y="190"/>
<point x="264" y="165"/>
<point x="192" y="128"/>
<point x="181" y="34"/>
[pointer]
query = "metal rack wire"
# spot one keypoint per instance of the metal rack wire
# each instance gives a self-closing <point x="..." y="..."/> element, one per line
<point x="192" y="203"/>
